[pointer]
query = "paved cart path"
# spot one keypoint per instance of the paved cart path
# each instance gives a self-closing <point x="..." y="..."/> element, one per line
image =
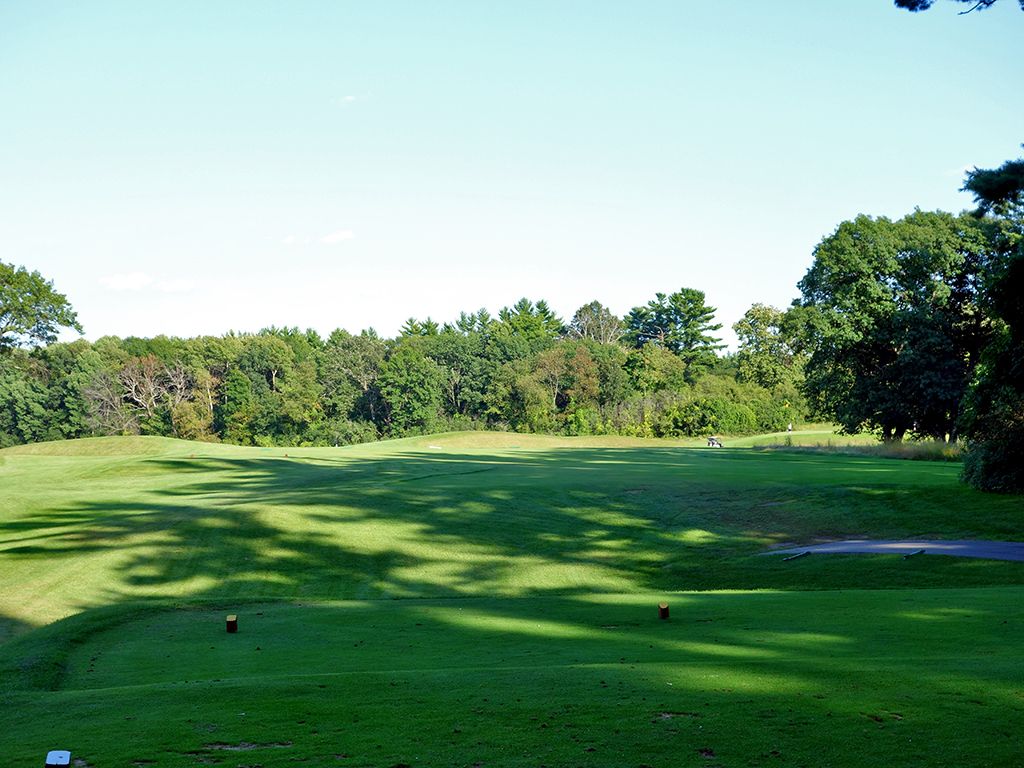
<point x="992" y="550"/>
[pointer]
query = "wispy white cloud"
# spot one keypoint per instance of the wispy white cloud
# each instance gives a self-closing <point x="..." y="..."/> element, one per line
<point x="338" y="236"/>
<point x="297" y="240"/>
<point x="129" y="281"/>
<point x="344" y="101"/>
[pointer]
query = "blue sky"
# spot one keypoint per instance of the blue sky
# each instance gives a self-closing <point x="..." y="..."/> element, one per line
<point x="192" y="167"/>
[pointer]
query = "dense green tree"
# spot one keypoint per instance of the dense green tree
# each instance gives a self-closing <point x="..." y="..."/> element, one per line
<point x="31" y="311"/>
<point x="414" y="327"/>
<point x="998" y="190"/>
<point x="892" y="320"/>
<point x="680" y="322"/>
<point x="569" y="375"/>
<point x="513" y="399"/>
<point x="613" y="383"/>
<point x="349" y="369"/>
<point x="532" y="320"/>
<point x="766" y="355"/>
<point x="472" y="322"/>
<point x="300" y="409"/>
<point x="285" y="360"/>
<point x="24" y="416"/>
<point x="704" y="416"/>
<point x="410" y="387"/>
<point x="655" y="369"/>
<point x="521" y="331"/>
<point x="69" y="368"/>
<point x="465" y="371"/>
<point x="304" y="344"/>
<point x="235" y="412"/>
<point x="164" y="348"/>
<point x="773" y="410"/>
<point x="266" y="358"/>
<point x="993" y="421"/>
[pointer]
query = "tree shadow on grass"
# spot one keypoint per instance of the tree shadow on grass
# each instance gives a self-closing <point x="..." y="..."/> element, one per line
<point x="528" y="524"/>
<point x="463" y="524"/>
<point x="571" y="680"/>
<point x="11" y="627"/>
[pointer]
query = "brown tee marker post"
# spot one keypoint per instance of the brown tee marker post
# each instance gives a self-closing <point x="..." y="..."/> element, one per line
<point x="232" y="624"/>
<point x="662" y="610"/>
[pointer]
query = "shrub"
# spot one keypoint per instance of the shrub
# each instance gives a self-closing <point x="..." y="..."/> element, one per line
<point x="995" y="456"/>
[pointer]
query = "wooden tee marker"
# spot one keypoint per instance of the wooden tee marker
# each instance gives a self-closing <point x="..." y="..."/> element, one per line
<point x="57" y="758"/>
<point x="232" y="624"/>
<point x="662" y="610"/>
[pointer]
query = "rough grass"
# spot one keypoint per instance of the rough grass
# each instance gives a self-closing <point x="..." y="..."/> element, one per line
<point x="823" y="438"/>
<point x="808" y="435"/>
<point x="926" y="450"/>
<point x="499" y="596"/>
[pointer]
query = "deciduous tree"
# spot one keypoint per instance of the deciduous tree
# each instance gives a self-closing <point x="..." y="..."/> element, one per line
<point x="31" y="311"/>
<point x="410" y="386"/>
<point x="892" y="322"/>
<point x="766" y="356"/>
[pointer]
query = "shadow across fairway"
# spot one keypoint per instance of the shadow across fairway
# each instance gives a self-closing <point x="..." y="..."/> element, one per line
<point x="11" y="627"/>
<point x="425" y="524"/>
<point x="605" y="678"/>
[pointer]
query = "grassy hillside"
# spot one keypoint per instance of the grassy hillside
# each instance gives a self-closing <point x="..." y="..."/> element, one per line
<point x="490" y="599"/>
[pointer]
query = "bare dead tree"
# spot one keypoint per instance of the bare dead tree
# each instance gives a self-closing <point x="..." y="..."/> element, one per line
<point x="108" y="414"/>
<point x="596" y="322"/>
<point x="144" y="382"/>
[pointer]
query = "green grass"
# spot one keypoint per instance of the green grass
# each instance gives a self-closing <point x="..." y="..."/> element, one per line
<point x="812" y="678"/>
<point x="491" y="599"/>
<point x="807" y="436"/>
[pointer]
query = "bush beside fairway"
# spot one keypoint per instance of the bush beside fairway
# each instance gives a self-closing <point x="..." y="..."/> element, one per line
<point x="536" y="564"/>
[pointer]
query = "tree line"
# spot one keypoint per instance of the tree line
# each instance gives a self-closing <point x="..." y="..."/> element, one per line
<point x="654" y="373"/>
<point x="912" y="328"/>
